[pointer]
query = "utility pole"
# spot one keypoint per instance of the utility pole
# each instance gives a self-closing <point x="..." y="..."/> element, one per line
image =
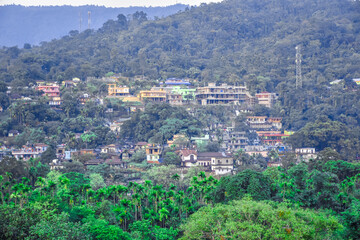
<point x="298" y="67"/>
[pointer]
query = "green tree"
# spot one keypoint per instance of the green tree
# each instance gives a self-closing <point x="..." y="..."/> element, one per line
<point x="254" y="220"/>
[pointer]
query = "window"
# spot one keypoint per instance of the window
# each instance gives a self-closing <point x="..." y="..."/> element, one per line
<point x="191" y="157"/>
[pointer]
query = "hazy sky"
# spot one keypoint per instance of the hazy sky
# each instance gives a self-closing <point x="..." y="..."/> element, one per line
<point x="107" y="3"/>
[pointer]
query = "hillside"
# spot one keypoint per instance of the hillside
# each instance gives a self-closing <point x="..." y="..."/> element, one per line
<point x="240" y="42"/>
<point x="20" y="25"/>
<point x="248" y="37"/>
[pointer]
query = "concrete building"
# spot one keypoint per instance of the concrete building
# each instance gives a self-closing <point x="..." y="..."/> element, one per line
<point x="267" y="99"/>
<point x="118" y="91"/>
<point x="27" y="152"/>
<point x="224" y="95"/>
<point x="188" y="157"/>
<point x="305" y="154"/>
<point x="49" y="90"/>
<point x="153" y="153"/>
<point x="153" y="95"/>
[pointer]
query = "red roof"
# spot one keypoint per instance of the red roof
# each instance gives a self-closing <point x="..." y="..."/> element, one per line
<point x="187" y="152"/>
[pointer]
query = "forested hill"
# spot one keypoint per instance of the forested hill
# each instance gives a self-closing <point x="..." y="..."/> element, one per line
<point x="227" y="41"/>
<point x="20" y="24"/>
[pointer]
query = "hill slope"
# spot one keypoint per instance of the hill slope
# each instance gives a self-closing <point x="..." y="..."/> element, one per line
<point x="225" y="41"/>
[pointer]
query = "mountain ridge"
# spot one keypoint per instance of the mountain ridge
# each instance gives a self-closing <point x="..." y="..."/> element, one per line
<point x="34" y="24"/>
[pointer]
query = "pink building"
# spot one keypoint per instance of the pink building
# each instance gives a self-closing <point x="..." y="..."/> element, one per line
<point x="49" y="90"/>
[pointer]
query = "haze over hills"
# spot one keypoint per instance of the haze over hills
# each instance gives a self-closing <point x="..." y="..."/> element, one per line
<point x="20" y="25"/>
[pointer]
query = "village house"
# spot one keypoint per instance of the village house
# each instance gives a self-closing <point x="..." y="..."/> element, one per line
<point x="60" y="151"/>
<point x="222" y="163"/>
<point x="116" y="163"/>
<point x="118" y="91"/>
<point x="305" y="154"/>
<point x="27" y="152"/>
<point x="56" y="164"/>
<point x="111" y="148"/>
<point x="87" y="151"/>
<point x="13" y="133"/>
<point x="188" y="157"/>
<point x="93" y="162"/>
<point x="153" y="153"/>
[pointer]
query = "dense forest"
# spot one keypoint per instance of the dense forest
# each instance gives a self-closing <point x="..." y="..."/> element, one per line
<point x="241" y="42"/>
<point x="228" y="41"/>
<point x="21" y="25"/>
<point x="318" y="200"/>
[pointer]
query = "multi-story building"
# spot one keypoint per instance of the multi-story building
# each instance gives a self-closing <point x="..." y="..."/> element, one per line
<point x="275" y="122"/>
<point x="52" y="91"/>
<point x="118" y="91"/>
<point x="153" y="95"/>
<point x="272" y="139"/>
<point x="153" y="153"/>
<point x="27" y="152"/>
<point x="264" y="123"/>
<point x="267" y="99"/>
<point x="224" y="94"/>
<point x="257" y="150"/>
<point x="49" y="90"/>
<point x="305" y="154"/>
<point x="238" y="140"/>
<point x="55" y="101"/>
<point x="221" y="163"/>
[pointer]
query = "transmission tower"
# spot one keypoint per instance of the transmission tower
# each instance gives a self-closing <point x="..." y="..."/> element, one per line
<point x="80" y="21"/>
<point x="89" y="19"/>
<point x="298" y="67"/>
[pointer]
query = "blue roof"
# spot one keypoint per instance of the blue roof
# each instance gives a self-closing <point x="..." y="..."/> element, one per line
<point x="177" y="83"/>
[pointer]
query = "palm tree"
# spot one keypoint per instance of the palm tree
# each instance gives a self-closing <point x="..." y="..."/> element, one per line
<point x="120" y="190"/>
<point x="40" y="183"/>
<point x="164" y="214"/>
<point x="64" y="181"/>
<point x="52" y="187"/>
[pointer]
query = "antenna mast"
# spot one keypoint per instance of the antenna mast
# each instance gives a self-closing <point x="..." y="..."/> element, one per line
<point x="89" y="19"/>
<point x="298" y="67"/>
<point x="80" y="21"/>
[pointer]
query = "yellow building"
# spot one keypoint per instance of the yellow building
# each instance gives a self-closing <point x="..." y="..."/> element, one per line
<point x="115" y="90"/>
<point x="153" y="153"/>
<point x="153" y="95"/>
